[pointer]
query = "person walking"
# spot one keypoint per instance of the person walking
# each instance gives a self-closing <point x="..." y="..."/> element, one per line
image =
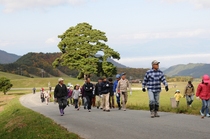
<point x="152" y="80"/>
<point x="42" y="95"/>
<point x="104" y="89"/>
<point x="122" y="87"/>
<point x="203" y="92"/>
<point x="75" y="95"/>
<point x="98" y="94"/>
<point x="88" y="92"/>
<point x="111" y="95"/>
<point x="60" y="95"/>
<point x="117" y="92"/>
<point x="34" y="90"/>
<point x="189" y="93"/>
<point x="178" y="96"/>
<point x="47" y="97"/>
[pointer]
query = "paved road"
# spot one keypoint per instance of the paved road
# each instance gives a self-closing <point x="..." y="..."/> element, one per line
<point x="130" y="124"/>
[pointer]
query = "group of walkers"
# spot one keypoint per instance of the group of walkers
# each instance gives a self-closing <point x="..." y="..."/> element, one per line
<point x="102" y="94"/>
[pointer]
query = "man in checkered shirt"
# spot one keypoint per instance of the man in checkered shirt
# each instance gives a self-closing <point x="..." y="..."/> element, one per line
<point x="152" y="80"/>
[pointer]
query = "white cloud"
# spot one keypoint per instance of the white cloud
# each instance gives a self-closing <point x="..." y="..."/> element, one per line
<point x="166" y="61"/>
<point x="52" y="40"/>
<point x="167" y="35"/>
<point x="14" y="5"/>
<point x="199" y="4"/>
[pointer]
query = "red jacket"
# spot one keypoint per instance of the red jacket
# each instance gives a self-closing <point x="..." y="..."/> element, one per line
<point x="203" y="91"/>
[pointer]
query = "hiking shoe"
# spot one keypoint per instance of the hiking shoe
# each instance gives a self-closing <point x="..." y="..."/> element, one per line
<point x="156" y="114"/>
<point x="61" y="112"/>
<point x="201" y="113"/>
<point x="152" y="114"/>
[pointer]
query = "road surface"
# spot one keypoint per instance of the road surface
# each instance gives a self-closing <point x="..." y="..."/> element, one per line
<point x="130" y="124"/>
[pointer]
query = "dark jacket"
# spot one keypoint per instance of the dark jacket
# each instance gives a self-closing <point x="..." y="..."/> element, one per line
<point x="60" y="92"/>
<point x="111" y="85"/>
<point x="88" y="89"/>
<point x="97" y="93"/>
<point x="104" y="87"/>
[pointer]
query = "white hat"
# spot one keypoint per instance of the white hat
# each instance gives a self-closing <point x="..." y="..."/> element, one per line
<point x="60" y="79"/>
<point x="155" y="62"/>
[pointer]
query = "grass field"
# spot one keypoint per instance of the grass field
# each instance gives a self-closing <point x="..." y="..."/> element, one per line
<point x="18" y="122"/>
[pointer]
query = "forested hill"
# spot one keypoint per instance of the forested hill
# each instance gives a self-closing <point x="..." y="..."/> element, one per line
<point x="40" y="64"/>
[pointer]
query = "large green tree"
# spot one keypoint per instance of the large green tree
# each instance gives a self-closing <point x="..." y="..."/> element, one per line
<point x="5" y="85"/>
<point x="80" y="46"/>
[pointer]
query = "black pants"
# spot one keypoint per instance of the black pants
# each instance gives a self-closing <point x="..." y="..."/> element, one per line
<point x="62" y="102"/>
<point x="89" y="101"/>
<point x="76" y="103"/>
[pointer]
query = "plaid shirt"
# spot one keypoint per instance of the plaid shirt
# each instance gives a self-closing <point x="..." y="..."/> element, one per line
<point x="153" y="79"/>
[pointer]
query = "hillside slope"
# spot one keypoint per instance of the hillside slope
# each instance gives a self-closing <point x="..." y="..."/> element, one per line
<point x="40" y="64"/>
<point x="7" y="57"/>
<point x="191" y="69"/>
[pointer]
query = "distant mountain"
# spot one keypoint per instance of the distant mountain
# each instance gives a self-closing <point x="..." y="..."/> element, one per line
<point x="191" y="69"/>
<point x="6" y="58"/>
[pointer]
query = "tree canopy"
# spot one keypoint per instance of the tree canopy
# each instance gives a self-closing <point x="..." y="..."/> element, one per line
<point x="80" y="46"/>
<point x="5" y="85"/>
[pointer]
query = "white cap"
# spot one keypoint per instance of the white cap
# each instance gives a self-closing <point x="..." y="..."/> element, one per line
<point x="60" y="79"/>
<point x="154" y="62"/>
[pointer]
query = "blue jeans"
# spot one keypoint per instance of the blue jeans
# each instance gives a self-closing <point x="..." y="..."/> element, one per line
<point x="153" y="98"/>
<point x="205" y="106"/>
<point x="189" y="99"/>
<point x="118" y="98"/>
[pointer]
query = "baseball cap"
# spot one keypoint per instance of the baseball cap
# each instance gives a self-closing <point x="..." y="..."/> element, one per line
<point x="177" y="91"/>
<point x="118" y="76"/>
<point x="60" y="79"/>
<point x="206" y="78"/>
<point x="155" y="62"/>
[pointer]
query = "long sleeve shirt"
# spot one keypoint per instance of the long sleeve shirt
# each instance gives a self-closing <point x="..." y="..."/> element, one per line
<point x="123" y="85"/>
<point x="152" y="80"/>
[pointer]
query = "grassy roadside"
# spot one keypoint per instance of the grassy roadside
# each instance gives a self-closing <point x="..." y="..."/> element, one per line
<point x="140" y="101"/>
<point x="18" y="122"/>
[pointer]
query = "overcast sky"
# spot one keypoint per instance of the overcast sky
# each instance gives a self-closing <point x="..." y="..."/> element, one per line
<point x="170" y="31"/>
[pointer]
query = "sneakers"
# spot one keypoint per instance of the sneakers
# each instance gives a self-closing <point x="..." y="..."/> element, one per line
<point x="208" y="115"/>
<point x="201" y="113"/>
<point x="156" y="114"/>
<point x="61" y="112"/>
<point x="107" y="110"/>
<point x="152" y="114"/>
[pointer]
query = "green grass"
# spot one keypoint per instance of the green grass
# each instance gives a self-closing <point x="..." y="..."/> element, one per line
<point x="140" y="101"/>
<point x="18" y="122"/>
<point x="42" y="82"/>
<point x="11" y="76"/>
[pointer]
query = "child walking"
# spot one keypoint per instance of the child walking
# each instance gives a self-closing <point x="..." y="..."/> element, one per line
<point x="203" y="92"/>
<point x="75" y="95"/>
<point x="177" y="96"/>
